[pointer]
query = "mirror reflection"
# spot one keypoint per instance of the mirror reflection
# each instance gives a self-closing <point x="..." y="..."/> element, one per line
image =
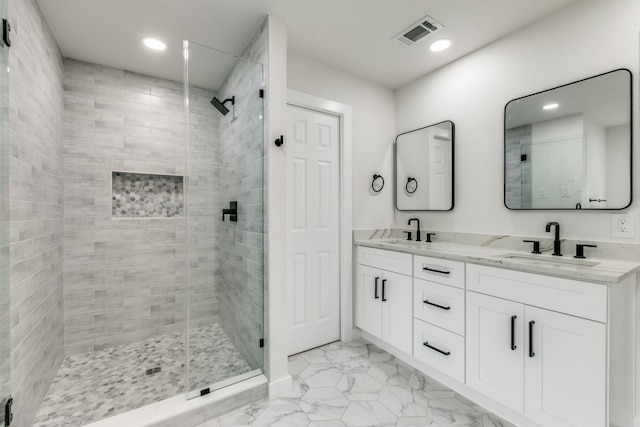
<point x="570" y="147"/>
<point x="424" y="168"/>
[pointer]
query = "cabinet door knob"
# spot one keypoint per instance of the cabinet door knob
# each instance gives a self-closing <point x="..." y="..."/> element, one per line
<point x="384" y="282"/>
<point x="376" y="288"/>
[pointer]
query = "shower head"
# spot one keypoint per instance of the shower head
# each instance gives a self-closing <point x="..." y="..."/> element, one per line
<point x="220" y="105"/>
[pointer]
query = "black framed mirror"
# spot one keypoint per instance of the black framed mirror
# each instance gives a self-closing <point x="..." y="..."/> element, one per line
<point x="570" y="147"/>
<point x="424" y="168"/>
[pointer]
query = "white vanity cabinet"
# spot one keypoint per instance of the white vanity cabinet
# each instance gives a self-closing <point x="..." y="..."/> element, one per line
<point x="536" y="349"/>
<point x="548" y="365"/>
<point x="438" y="310"/>
<point x="384" y="292"/>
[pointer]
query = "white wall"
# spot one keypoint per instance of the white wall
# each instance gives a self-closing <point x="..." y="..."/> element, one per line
<point x="585" y="39"/>
<point x="373" y="132"/>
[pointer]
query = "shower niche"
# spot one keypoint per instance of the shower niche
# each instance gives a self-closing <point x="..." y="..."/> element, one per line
<point x="141" y="195"/>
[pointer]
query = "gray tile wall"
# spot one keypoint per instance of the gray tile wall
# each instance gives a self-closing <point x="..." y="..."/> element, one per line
<point x="240" y="245"/>
<point x="203" y="208"/>
<point x="517" y="172"/>
<point x="124" y="278"/>
<point x="36" y="213"/>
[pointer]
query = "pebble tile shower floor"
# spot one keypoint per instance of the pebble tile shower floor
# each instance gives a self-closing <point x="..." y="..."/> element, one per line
<point x="91" y="386"/>
<point x="356" y="384"/>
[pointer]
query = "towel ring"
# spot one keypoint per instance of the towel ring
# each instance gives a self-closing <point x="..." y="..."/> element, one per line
<point x="411" y="186"/>
<point x="377" y="183"/>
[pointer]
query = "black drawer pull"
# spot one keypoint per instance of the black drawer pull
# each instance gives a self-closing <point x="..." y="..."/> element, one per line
<point x="384" y="288"/>
<point x="531" y="353"/>
<point x="436" y="305"/>
<point x="376" y="288"/>
<point x="433" y="270"/>
<point x="426" y="344"/>
<point x="513" y="332"/>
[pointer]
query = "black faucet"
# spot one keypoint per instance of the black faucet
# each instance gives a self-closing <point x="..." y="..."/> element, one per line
<point x="418" y="232"/>
<point x="556" y="241"/>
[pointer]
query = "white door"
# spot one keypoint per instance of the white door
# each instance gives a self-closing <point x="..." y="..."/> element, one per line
<point x="495" y="360"/>
<point x="368" y="299"/>
<point x="313" y="265"/>
<point x="396" y="292"/>
<point x="565" y="370"/>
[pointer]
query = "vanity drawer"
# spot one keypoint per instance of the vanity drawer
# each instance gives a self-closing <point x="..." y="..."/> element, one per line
<point x="440" y="305"/>
<point x="446" y="352"/>
<point x="398" y="262"/>
<point x="582" y="299"/>
<point x="439" y="270"/>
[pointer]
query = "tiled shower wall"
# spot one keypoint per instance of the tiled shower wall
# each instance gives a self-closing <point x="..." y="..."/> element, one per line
<point x="240" y="263"/>
<point x="517" y="171"/>
<point x="125" y="277"/>
<point x="36" y="214"/>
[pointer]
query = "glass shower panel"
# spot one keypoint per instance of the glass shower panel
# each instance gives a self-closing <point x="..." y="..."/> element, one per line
<point x="5" y="360"/>
<point x="224" y="210"/>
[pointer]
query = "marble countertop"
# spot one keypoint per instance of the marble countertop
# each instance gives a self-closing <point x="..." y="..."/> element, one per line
<point x="606" y="271"/>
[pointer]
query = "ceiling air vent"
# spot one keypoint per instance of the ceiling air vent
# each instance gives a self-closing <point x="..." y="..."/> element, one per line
<point x="419" y="30"/>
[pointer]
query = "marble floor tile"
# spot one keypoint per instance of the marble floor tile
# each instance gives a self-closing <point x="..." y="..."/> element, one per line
<point x="324" y="403"/>
<point x="359" y="386"/>
<point x="356" y="384"/>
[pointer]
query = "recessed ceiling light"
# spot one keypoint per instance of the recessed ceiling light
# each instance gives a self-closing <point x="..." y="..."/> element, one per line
<point x="551" y="106"/>
<point x="439" y="45"/>
<point x="154" y="44"/>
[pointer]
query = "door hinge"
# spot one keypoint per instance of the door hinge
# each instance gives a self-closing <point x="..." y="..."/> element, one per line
<point x="205" y="391"/>
<point x="6" y="29"/>
<point x="261" y="94"/>
<point x="261" y="342"/>
<point x="8" y="415"/>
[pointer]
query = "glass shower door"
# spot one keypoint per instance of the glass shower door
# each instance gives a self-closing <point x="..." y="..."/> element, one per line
<point x="224" y="211"/>
<point x="5" y="359"/>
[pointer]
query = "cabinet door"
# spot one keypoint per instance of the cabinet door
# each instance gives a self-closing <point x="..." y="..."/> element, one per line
<point x="565" y="370"/>
<point x="368" y="300"/>
<point x="495" y="351"/>
<point x="397" y="311"/>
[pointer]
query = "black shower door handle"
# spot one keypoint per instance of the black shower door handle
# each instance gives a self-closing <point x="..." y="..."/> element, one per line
<point x="376" y="288"/>
<point x="384" y="282"/>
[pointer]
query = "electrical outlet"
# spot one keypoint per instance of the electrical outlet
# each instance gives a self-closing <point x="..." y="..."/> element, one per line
<point x="623" y="225"/>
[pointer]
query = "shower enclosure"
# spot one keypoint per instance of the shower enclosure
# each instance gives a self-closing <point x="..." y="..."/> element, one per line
<point x="224" y="214"/>
<point x="168" y="299"/>
<point x="5" y="360"/>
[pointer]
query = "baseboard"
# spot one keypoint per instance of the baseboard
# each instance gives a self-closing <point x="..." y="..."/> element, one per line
<point x="279" y="387"/>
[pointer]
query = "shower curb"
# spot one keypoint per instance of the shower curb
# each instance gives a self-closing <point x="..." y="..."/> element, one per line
<point x="189" y="413"/>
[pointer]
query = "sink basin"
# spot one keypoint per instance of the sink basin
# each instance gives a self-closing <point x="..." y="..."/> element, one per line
<point x="545" y="259"/>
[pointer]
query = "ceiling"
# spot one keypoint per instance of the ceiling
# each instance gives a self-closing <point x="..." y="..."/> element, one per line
<point x="356" y="36"/>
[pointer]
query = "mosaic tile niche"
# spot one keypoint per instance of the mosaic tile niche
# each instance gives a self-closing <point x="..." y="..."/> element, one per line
<point x="136" y="195"/>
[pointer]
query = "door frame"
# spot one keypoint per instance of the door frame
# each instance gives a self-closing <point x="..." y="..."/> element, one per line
<point x="344" y="113"/>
